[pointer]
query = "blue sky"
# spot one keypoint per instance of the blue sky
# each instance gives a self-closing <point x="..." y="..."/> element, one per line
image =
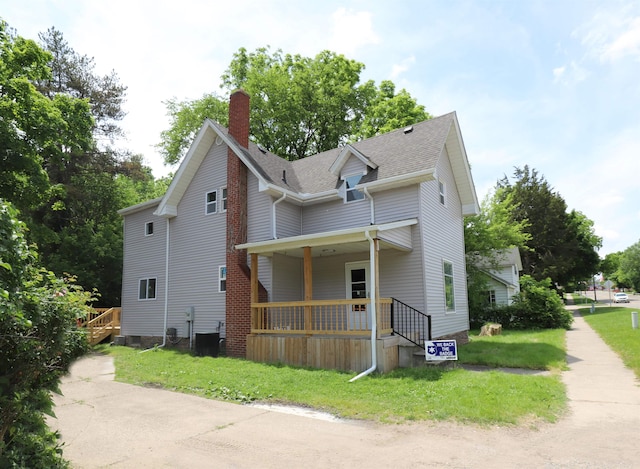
<point x="554" y="84"/>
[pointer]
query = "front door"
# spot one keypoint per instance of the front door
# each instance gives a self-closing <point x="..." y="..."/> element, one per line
<point x="357" y="280"/>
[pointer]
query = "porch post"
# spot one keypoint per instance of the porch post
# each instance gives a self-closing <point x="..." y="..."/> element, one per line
<point x="308" y="288"/>
<point x="376" y="279"/>
<point x="254" y="290"/>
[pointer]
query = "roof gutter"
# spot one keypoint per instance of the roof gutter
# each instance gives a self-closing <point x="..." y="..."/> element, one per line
<point x="373" y="294"/>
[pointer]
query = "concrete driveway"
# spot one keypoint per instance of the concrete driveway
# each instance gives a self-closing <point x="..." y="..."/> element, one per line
<point x="109" y="424"/>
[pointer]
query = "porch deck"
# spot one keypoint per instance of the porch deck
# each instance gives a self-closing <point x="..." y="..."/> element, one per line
<point x="331" y="334"/>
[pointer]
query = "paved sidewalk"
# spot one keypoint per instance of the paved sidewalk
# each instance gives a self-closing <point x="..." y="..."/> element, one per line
<point x="109" y="424"/>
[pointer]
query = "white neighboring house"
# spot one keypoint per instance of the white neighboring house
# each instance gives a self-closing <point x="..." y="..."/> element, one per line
<point x="504" y="281"/>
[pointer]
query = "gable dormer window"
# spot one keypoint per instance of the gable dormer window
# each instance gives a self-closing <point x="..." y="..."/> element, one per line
<point x="351" y="193"/>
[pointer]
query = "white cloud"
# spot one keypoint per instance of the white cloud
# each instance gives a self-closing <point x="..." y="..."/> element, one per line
<point x="570" y="75"/>
<point x="402" y="67"/>
<point x="612" y="34"/>
<point x="351" y="31"/>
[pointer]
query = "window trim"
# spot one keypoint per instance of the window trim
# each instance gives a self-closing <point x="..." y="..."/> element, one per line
<point x="222" y="278"/>
<point x="146" y="228"/>
<point x="445" y="276"/>
<point x="146" y="289"/>
<point x="208" y="203"/>
<point x="442" y="189"/>
<point x="347" y="189"/>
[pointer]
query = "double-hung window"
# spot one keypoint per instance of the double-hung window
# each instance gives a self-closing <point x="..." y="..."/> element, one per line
<point x="147" y="289"/>
<point x="441" y="188"/>
<point x="211" y="202"/>
<point x="222" y="278"/>
<point x="223" y="199"/>
<point x="449" y="293"/>
<point x="351" y="193"/>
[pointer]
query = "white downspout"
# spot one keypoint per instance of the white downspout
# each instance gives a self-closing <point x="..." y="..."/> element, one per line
<point x="372" y="296"/>
<point x="166" y="291"/>
<point x="373" y="211"/>
<point x="273" y="214"/>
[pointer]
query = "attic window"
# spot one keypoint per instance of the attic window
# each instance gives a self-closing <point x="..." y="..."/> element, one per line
<point x="148" y="228"/>
<point x="352" y="194"/>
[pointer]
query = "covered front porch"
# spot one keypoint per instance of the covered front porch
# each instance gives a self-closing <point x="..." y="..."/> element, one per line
<point x="335" y="333"/>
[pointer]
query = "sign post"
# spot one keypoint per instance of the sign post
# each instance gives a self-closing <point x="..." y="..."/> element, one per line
<point x="437" y="350"/>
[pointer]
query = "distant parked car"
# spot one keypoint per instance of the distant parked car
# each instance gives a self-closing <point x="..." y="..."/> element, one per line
<point x="620" y="298"/>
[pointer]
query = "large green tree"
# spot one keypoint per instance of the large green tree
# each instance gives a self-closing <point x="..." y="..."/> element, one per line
<point x="34" y="129"/>
<point x="78" y="229"/>
<point x="562" y="246"/>
<point x="630" y="266"/>
<point x="486" y="236"/>
<point x="299" y="105"/>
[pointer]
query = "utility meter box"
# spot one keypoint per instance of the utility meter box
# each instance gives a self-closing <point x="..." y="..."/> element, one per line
<point x="190" y="314"/>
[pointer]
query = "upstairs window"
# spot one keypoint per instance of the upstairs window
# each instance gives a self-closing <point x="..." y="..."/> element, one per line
<point x="148" y="228"/>
<point x="351" y="193"/>
<point x="449" y="296"/>
<point x="147" y="289"/>
<point x="442" y="192"/>
<point x="222" y="278"/>
<point x="223" y="200"/>
<point x="211" y="202"/>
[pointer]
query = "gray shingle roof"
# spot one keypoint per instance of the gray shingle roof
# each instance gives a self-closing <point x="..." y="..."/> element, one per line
<point x="396" y="153"/>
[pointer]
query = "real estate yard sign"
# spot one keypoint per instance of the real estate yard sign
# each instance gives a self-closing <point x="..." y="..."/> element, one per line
<point x="441" y="350"/>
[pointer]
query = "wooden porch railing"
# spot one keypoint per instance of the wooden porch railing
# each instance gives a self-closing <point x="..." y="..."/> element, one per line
<point x="320" y="317"/>
<point x="102" y="323"/>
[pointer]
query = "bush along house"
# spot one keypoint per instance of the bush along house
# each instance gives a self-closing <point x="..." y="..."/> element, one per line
<point x="348" y="259"/>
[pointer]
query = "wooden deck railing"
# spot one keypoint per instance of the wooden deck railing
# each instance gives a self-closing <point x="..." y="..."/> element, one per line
<point x="102" y="323"/>
<point x="320" y="317"/>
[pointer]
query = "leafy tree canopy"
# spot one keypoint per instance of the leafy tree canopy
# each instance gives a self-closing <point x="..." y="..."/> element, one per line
<point x="630" y="266"/>
<point x="34" y="129"/>
<point x="562" y="246"/>
<point x="299" y="105"/>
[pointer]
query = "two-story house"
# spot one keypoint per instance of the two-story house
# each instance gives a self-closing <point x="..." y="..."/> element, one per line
<point x="326" y="261"/>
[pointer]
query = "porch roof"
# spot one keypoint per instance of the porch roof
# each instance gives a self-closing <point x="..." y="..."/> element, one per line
<point x="394" y="235"/>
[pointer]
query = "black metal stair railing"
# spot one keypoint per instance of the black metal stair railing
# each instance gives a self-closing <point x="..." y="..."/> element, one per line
<point x="408" y="322"/>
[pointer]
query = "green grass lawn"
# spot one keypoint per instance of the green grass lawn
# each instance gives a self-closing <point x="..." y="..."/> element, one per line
<point x="432" y="393"/>
<point x="538" y="350"/>
<point x="613" y="324"/>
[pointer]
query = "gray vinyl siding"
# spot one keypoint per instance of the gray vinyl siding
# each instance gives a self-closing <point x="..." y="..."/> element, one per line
<point x="288" y="219"/>
<point x="143" y="258"/>
<point x="198" y="248"/>
<point x="287" y="278"/>
<point x="397" y="204"/>
<point x="443" y="240"/>
<point x="335" y="215"/>
<point x="353" y="166"/>
<point x="258" y="212"/>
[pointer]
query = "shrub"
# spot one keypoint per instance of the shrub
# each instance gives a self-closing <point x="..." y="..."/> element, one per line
<point x="536" y="306"/>
<point x="38" y="341"/>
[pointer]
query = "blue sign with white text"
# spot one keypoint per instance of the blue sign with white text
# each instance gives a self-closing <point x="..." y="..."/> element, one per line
<point x="441" y="350"/>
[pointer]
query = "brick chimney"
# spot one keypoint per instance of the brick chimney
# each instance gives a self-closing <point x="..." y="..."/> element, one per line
<point x="238" y="295"/>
